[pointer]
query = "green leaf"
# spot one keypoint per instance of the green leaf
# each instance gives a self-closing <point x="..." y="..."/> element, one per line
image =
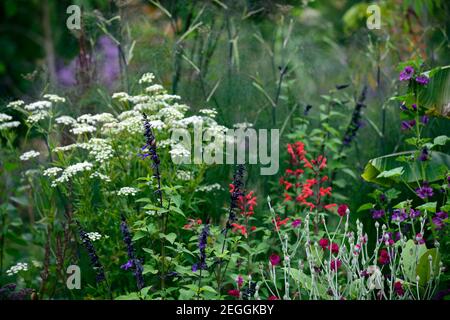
<point x="364" y="207"/>
<point x="441" y="140"/>
<point x="430" y="207"/>
<point x="436" y="95"/>
<point x="169" y="237"/>
<point x="149" y="269"/>
<point x="410" y="258"/>
<point x="186" y="294"/>
<point x="435" y="170"/>
<point x="396" y="172"/>
<point x="423" y="268"/>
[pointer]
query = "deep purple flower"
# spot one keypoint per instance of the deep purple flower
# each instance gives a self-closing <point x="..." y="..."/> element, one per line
<point x="127" y="265"/>
<point x="414" y="106"/>
<point x="406" y="74"/>
<point x="442" y="215"/>
<point x="136" y="264"/>
<point x="438" y="223"/>
<point x="399" y="215"/>
<point x="377" y="214"/>
<point x="403" y="107"/>
<point x="237" y="190"/>
<point x="406" y="125"/>
<point x="422" y="80"/>
<point x="424" y="155"/>
<point x="414" y="213"/>
<point x="425" y="191"/>
<point x="424" y="119"/>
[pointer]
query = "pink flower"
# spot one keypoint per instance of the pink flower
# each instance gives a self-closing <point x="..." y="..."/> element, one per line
<point x="239" y="281"/>
<point x="272" y="298"/>
<point x="234" y="293"/>
<point x="323" y="243"/>
<point x="335" y="264"/>
<point x="296" y="223"/>
<point x="274" y="259"/>
<point x="342" y="210"/>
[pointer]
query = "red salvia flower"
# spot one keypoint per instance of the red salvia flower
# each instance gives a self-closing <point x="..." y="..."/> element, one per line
<point x="242" y="229"/>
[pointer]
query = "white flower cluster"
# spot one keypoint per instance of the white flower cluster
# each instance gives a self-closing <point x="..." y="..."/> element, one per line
<point x="147" y="78"/>
<point x="178" y="152"/>
<point x="101" y="176"/>
<point x="4" y="117"/>
<point x="126" y="191"/>
<point x="82" y="128"/>
<point x="94" y="236"/>
<point x="98" y="148"/>
<point x="184" y="175"/>
<point x="65" y="120"/>
<point x="15" y="104"/>
<point x="38" y="105"/>
<point x="29" y="155"/>
<point x="155" y="88"/>
<point x="71" y="171"/>
<point x="208" y="112"/>
<point x="9" y="125"/>
<point x="52" y="172"/>
<point x="209" y="188"/>
<point x="54" y="98"/>
<point x="37" y="116"/>
<point x="21" y="266"/>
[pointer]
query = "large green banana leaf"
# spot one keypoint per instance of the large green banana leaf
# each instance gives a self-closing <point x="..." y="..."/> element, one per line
<point x="386" y="170"/>
<point x="435" y="97"/>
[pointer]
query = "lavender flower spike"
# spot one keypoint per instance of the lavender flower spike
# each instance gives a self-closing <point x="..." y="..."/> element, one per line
<point x="133" y="262"/>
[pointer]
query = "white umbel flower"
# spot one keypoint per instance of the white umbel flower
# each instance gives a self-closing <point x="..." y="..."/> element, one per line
<point x="4" y="117"/>
<point x="15" y="104"/>
<point x="52" y="172"/>
<point x="94" y="236"/>
<point x="38" y="105"/>
<point x="29" y="155"/>
<point x="209" y="188"/>
<point x="65" y="120"/>
<point x="71" y="171"/>
<point x="126" y="191"/>
<point x="21" y="266"/>
<point x="147" y="78"/>
<point x="9" y="125"/>
<point x="54" y="98"/>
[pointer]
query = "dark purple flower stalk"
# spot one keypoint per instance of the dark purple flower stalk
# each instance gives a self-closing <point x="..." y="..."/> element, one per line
<point x="406" y="74"/>
<point x="425" y="191"/>
<point x="133" y="262"/>
<point x="94" y="260"/>
<point x="237" y="190"/>
<point x="149" y="150"/>
<point x="202" y="242"/>
<point x="355" y="122"/>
